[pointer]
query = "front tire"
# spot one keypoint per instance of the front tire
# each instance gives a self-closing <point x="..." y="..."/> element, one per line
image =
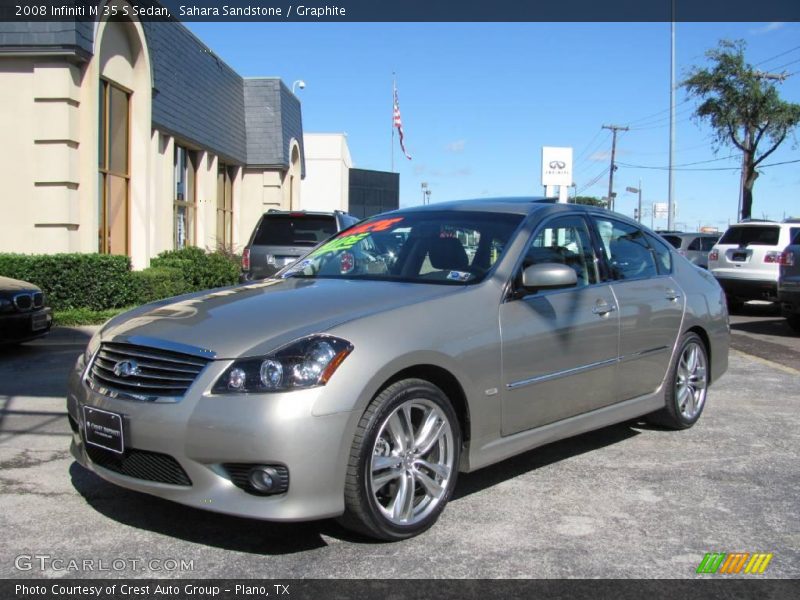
<point x="686" y="386"/>
<point x="404" y="462"/>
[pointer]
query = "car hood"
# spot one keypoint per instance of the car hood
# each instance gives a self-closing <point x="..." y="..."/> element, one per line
<point x="255" y="319"/>
<point x="15" y="285"/>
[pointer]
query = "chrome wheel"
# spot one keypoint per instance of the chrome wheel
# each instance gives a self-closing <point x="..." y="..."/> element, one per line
<point x="412" y="462"/>
<point x="691" y="383"/>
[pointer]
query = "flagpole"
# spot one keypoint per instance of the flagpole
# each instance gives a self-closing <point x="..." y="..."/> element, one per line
<point x="394" y="88"/>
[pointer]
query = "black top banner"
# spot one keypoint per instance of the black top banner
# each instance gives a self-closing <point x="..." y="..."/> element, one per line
<point x="404" y="10"/>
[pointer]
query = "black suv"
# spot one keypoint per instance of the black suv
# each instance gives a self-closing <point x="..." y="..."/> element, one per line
<point x="281" y="237"/>
<point x="23" y="314"/>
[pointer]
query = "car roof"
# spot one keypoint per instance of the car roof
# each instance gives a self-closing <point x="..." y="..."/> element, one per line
<point x="685" y="234"/>
<point x="520" y="205"/>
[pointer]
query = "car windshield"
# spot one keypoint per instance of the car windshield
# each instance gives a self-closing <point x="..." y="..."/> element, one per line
<point x="752" y="235"/>
<point x="445" y="247"/>
<point x="294" y="230"/>
<point x="673" y="239"/>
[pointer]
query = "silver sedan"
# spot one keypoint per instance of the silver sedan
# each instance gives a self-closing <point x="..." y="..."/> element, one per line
<point x="360" y="380"/>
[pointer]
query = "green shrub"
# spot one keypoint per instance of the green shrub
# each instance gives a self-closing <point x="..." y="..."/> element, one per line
<point x="202" y="270"/>
<point x="93" y="281"/>
<point x="157" y="283"/>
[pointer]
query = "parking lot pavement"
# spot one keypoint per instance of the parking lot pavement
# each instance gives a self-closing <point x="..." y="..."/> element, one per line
<point x="626" y="501"/>
<point x="759" y="329"/>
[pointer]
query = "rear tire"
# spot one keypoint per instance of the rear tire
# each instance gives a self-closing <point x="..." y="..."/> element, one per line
<point x="403" y="463"/>
<point x="686" y="387"/>
<point x="794" y="322"/>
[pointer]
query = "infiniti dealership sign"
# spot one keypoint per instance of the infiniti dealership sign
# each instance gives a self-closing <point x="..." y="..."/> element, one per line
<point x="556" y="166"/>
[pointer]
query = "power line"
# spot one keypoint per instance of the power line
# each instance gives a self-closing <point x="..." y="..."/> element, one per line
<point x="630" y="166"/>
<point x="766" y="60"/>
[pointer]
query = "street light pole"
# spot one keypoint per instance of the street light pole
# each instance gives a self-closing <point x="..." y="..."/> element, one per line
<point x="671" y="191"/>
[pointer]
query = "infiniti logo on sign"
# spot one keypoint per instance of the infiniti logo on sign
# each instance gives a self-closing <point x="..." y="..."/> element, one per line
<point x="126" y="368"/>
<point x="557" y="164"/>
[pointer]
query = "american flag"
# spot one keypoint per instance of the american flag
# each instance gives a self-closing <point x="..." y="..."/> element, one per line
<point x="398" y="122"/>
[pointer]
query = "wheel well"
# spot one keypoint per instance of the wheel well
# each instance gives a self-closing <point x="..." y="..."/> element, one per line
<point x="444" y="380"/>
<point x="706" y="342"/>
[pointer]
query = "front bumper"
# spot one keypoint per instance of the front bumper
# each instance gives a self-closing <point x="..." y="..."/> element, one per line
<point x="202" y="432"/>
<point x="17" y="327"/>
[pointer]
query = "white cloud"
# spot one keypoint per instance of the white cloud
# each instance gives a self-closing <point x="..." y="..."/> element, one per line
<point x="456" y="146"/>
<point x="775" y="25"/>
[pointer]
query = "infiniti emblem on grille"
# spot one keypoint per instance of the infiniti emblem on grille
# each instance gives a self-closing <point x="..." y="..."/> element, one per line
<point x="126" y="368"/>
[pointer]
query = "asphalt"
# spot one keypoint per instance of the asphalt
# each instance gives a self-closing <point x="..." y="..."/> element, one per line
<point x="628" y="501"/>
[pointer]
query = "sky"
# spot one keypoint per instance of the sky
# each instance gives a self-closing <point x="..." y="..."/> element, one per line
<point x="479" y="100"/>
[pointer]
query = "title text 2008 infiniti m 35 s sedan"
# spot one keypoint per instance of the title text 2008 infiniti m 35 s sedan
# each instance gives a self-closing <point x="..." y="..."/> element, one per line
<point x="419" y="343"/>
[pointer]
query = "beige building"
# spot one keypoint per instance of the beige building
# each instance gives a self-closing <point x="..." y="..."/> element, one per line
<point x="135" y="138"/>
<point x="326" y="186"/>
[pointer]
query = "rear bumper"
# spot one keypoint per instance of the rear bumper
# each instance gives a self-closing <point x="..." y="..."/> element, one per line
<point x="749" y="289"/>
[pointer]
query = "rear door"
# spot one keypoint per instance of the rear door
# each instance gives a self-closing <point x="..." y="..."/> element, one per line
<point x="650" y="303"/>
<point x="749" y="252"/>
<point x="559" y="347"/>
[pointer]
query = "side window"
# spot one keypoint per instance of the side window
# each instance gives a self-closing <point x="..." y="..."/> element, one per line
<point x="629" y="254"/>
<point x="564" y="241"/>
<point x="696" y="244"/>
<point x="708" y="243"/>
<point x="663" y="256"/>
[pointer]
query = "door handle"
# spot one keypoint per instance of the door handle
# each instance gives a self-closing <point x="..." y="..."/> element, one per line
<point x="603" y="308"/>
<point x="672" y="295"/>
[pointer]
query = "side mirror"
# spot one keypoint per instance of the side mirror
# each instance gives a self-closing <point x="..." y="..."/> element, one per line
<point x="548" y="276"/>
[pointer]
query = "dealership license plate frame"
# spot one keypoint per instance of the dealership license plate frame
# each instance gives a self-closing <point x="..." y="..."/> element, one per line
<point x="739" y="257"/>
<point x="95" y="418"/>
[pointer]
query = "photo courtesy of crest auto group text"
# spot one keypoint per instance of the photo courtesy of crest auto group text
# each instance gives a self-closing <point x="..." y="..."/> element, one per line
<point x="362" y="300"/>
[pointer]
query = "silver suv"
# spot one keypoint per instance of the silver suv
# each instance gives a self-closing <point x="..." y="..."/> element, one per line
<point x="694" y="246"/>
<point x="281" y="237"/>
<point x="745" y="260"/>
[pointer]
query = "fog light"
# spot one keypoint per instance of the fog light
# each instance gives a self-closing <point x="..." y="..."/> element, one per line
<point x="263" y="479"/>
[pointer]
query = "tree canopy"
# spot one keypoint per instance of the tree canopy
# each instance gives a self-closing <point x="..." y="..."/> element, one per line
<point x="744" y="108"/>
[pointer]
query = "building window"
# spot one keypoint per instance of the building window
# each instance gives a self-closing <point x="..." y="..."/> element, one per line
<point x="225" y="207"/>
<point x="114" y="169"/>
<point x="185" y="200"/>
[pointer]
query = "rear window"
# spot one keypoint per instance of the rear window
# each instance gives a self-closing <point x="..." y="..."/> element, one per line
<point x="294" y="230"/>
<point x="673" y="239"/>
<point x="752" y="235"/>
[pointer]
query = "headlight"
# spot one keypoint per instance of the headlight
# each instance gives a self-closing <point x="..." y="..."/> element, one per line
<point x="6" y="305"/>
<point x="306" y="363"/>
<point x="92" y="347"/>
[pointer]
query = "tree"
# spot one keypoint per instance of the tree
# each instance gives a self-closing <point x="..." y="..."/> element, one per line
<point x="743" y="107"/>
<point x="589" y="200"/>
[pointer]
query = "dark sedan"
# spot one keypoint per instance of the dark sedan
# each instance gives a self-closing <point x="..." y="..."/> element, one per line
<point x="23" y="314"/>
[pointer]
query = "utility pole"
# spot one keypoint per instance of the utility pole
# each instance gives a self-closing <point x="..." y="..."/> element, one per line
<point x="614" y="129"/>
<point x="671" y="183"/>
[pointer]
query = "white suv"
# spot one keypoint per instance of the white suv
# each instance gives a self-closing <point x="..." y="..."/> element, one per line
<point x="746" y="260"/>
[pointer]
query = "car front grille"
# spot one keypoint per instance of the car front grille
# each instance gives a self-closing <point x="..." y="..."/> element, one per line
<point x="142" y="372"/>
<point x="141" y="464"/>
<point x="23" y="301"/>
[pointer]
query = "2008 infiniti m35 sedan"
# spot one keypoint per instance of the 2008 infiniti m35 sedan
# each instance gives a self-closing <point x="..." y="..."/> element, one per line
<point x="360" y="380"/>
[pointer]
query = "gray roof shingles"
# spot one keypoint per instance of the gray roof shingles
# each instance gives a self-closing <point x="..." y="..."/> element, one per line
<point x="196" y="96"/>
